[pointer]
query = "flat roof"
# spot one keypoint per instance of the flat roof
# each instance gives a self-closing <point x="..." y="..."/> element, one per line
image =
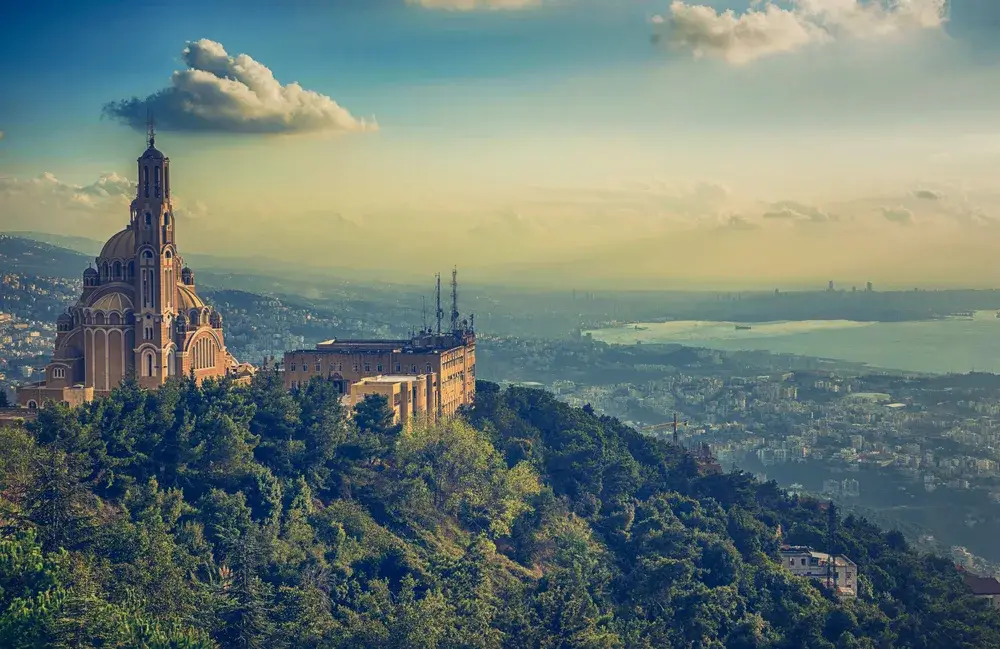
<point x="392" y="378"/>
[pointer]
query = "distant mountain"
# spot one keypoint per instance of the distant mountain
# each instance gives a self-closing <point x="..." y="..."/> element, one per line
<point x="89" y="247"/>
<point x="20" y="255"/>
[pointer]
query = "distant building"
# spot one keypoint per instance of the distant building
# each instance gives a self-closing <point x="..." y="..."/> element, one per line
<point x="869" y="288"/>
<point x="447" y="362"/>
<point x="837" y="573"/>
<point x="413" y="399"/>
<point x="829" y="286"/>
<point x="139" y="313"/>
<point x="984" y="587"/>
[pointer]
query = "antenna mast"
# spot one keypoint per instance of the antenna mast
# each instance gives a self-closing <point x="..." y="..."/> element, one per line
<point x="454" y="299"/>
<point x="423" y="313"/>
<point x="440" y="311"/>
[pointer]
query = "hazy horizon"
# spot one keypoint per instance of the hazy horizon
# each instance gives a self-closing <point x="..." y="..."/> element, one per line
<point x="564" y="143"/>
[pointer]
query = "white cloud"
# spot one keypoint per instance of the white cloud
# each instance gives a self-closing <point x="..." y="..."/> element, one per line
<point x="47" y="204"/>
<point x="740" y="38"/>
<point x="223" y="93"/>
<point x="900" y="215"/>
<point x="472" y="5"/>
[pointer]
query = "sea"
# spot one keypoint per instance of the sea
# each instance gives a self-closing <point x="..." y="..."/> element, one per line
<point x="952" y="345"/>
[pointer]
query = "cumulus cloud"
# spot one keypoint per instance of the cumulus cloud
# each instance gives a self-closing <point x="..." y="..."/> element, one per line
<point x="736" y="222"/>
<point x="767" y="29"/>
<point x="222" y="93"/>
<point x="899" y="215"/>
<point x="472" y="5"/>
<point x="928" y="194"/>
<point x="797" y="212"/>
<point x="47" y="204"/>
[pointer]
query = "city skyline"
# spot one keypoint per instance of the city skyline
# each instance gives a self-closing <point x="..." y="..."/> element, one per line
<point x="563" y="142"/>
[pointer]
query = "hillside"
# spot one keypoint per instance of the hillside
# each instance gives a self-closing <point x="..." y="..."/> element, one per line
<point x="18" y="255"/>
<point x="250" y="517"/>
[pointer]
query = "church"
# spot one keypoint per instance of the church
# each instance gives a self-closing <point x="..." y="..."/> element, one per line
<point x="139" y="313"/>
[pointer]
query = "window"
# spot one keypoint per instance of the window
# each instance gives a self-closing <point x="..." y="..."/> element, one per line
<point x="32" y="405"/>
<point x="59" y="372"/>
<point x="166" y="218"/>
<point x="292" y="368"/>
<point x="379" y="368"/>
<point x="397" y="367"/>
<point x="368" y="367"/>
<point x="147" y="333"/>
<point x="428" y="368"/>
<point x="413" y="368"/>
<point x="317" y="366"/>
<point x="149" y="217"/>
<point x="355" y="367"/>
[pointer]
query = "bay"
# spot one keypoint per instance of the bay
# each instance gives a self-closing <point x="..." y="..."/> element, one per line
<point x="954" y="345"/>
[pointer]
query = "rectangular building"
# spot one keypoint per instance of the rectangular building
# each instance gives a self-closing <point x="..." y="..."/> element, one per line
<point x="449" y="359"/>
<point x="835" y="572"/>
<point x="413" y="399"/>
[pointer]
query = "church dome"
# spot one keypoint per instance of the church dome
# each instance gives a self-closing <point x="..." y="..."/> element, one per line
<point x="187" y="299"/>
<point x="152" y="153"/>
<point x="113" y="302"/>
<point x="120" y="246"/>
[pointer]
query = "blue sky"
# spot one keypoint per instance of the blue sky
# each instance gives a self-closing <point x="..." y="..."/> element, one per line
<point x="554" y="137"/>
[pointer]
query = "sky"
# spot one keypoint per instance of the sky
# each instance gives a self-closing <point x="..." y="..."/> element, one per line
<point x="586" y="143"/>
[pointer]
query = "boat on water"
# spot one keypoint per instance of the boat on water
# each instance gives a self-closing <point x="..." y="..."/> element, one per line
<point x="743" y="327"/>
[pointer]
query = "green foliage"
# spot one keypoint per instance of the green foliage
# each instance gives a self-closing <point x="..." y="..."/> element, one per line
<point x="248" y="516"/>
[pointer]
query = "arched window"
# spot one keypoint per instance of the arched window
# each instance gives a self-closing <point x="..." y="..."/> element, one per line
<point x="32" y="405"/>
<point x="148" y="369"/>
<point x="148" y="278"/>
<point x="130" y="271"/>
<point x="166" y="218"/>
<point x="116" y="270"/>
<point x="149" y="217"/>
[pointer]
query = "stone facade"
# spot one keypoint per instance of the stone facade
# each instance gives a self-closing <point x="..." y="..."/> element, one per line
<point x="139" y="314"/>
<point x="449" y="359"/>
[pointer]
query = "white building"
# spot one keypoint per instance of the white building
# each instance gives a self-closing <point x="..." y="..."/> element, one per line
<point x="840" y="574"/>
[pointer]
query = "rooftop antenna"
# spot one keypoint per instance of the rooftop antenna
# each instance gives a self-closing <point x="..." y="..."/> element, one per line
<point x="150" y="127"/>
<point x="454" y="298"/>
<point x="423" y="313"/>
<point x="440" y="311"/>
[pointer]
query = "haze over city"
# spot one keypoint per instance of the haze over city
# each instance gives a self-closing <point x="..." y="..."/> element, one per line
<point x="571" y="142"/>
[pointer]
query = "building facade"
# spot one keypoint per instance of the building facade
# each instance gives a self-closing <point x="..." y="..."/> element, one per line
<point x="139" y="313"/>
<point x="446" y="360"/>
<point x="412" y="399"/>
<point x="838" y="573"/>
<point x="987" y="588"/>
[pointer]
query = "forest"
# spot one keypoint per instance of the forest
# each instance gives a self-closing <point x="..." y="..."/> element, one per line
<point x="249" y="516"/>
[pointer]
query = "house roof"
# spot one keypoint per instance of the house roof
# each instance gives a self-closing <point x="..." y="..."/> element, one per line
<point x="981" y="585"/>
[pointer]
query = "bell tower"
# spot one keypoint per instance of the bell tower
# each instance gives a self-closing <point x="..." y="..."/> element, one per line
<point x="158" y="267"/>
